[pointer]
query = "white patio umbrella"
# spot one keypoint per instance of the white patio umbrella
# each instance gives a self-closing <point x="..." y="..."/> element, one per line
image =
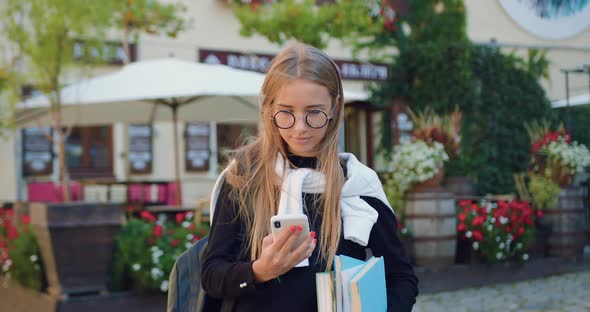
<point x="155" y="90"/>
<point x="582" y="99"/>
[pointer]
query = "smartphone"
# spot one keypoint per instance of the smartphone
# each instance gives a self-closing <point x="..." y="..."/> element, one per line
<point x="281" y="223"/>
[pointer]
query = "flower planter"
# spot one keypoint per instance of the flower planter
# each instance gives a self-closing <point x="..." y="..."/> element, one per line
<point x="569" y="224"/>
<point x="431" y="217"/>
<point x="430" y="184"/>
<point x="76" y="242"/>
<point x="461" y="187"/>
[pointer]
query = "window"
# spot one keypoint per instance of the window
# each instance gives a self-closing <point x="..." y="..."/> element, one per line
<point x="197" y="147"/>
<point x="89" y="152"/>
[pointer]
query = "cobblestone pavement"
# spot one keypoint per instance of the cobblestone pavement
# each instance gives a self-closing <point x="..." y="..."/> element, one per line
<point x="568" y="292"/>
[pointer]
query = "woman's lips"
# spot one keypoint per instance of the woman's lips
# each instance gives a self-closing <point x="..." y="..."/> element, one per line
<point x="302" y="140"/>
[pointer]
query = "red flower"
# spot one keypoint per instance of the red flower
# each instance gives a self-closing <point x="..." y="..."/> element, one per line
<point x="195" y="238"/>
<point x="461" y="217"/>
<point x="477" y="221"/>
<point x="25" y="219"/>
<point x="539" y="213"/>
<point x="180" y="217"/>
<point x="191" y="227"/>
<point x="477" y="236"/>
<point x="146" y="215"/>
<point x="508" y="229"/>
<point x="151" y="241"/>
<point x="12" y="233"/>
<point x="464" y="203"/>
<point x="157" y="231"/>
<point x="174" y="243"/>
<point x="461" y="227"/>
<point x="521" y="230"/>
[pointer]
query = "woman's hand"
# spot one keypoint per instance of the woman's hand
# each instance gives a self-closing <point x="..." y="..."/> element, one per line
<point x="280" y="255"/>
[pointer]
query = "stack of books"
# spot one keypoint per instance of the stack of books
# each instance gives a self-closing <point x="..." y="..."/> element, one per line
<point x="353" y="286"/>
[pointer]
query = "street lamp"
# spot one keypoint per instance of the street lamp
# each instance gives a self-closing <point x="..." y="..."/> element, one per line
<point x="582" y="69"/>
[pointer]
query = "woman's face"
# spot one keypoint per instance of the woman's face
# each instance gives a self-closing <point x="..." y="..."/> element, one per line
<point x="303" y="99"/>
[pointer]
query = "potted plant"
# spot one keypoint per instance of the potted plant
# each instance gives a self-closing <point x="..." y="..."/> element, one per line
<point x="497" y="231"/>
<point x="147" y="247"/>
<point x="555" y="160"/>
<point x="415" y="165"/>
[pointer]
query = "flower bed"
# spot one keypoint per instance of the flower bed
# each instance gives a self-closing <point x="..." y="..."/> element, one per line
<point x="19" y="252"/>
<point x="147" y="248"/>
<point x="497" y="231"/>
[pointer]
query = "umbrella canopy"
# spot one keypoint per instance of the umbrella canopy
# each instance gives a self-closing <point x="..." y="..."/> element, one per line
<point x="220" y="93"/>
<point x="582" y="99"/>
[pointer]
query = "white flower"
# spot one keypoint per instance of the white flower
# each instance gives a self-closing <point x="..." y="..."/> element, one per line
<point x="33" y="258"/>
<point x="468" y="234"/>
<point x="519" y="246"/>
<point x="187" y="245"/>
<point x="525" y="257"/>
<point x="136" y="267"/>
<point x="190" y="237"/>
<point x="189" y="216"/>
<point x="501" y="245"/>
<point x="503" y="220"/>
<point x="475" y="245"/>
<point x="404" y="231"/>
<point x="490" y="227"/>
<point x="499" y="255"/>
<point x="497" y="238"/>
<point x="156" y="273"/>
<point x="185" y="224"/>
<point x="164" y="286"/>
<point x="154" y="248"/>
<point x="493" y="220"/>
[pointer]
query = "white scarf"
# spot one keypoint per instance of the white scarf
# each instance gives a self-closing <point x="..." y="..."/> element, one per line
<point x="358" y="217"/>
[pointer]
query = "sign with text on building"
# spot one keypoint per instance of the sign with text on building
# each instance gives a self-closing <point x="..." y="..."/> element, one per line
<point x="350" y="70"/>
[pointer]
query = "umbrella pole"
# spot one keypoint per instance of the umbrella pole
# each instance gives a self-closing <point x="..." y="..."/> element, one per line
<point x="174" y="107"/>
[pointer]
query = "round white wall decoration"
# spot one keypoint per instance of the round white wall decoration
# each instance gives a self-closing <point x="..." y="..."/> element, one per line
<point x="550" y="19"/>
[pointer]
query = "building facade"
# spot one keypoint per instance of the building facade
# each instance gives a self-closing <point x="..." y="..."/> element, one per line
<point x="143" y="152"/>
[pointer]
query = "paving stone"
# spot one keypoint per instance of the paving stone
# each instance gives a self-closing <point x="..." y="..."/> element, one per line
<point x="569" y="293"/>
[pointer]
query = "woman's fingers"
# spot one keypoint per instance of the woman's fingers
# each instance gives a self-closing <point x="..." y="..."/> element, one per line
<point x="289" y="245"/>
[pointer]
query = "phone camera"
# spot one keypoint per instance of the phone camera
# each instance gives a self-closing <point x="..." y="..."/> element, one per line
<point x="277" y="224"/>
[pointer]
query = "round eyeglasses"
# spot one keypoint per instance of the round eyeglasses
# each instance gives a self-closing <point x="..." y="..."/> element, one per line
<point x="315" y="119"/>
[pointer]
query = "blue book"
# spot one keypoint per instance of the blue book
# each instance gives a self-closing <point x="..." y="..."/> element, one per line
<point x="368" y="291"/>
<point x="344" y="269"/>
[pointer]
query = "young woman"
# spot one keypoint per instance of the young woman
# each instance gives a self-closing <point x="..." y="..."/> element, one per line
<point x="295" y="158"/>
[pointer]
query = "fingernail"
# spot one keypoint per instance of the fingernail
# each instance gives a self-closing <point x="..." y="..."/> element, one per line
<point x="292" y="229"/>
<point x="315" y="240"/>
<point x="312" y="234"/>
<point x="299" y="228"/>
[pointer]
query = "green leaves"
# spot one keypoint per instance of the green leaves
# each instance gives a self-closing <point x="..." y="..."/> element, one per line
<point x="308" y="23"/>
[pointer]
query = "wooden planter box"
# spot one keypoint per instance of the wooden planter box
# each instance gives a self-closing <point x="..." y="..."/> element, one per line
<point x="18" y="299"/>
<point x="76" y="241"/>
<point x="569" y="224"/>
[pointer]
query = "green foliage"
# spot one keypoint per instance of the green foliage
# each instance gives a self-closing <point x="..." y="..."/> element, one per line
<point x="150" y="16"/>
<point x="544" y="192"/>
<point x="147" y="248"/>
<point x="20" y="258"/>
<point x="579" y="122"/>
<point x="44" y="33"/>
<point x="509" y="97"/>
<point x="308" y="23"/>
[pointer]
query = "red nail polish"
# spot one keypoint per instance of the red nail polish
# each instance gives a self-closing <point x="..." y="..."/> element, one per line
<point x="312" y="234"/>
<point x="315" y="240"/>
<point x="299" y="228"/>
<point x="292" y="229"/>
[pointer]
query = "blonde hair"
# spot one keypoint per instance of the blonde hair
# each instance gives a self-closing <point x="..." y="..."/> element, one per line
<point x="255" y="184"/>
